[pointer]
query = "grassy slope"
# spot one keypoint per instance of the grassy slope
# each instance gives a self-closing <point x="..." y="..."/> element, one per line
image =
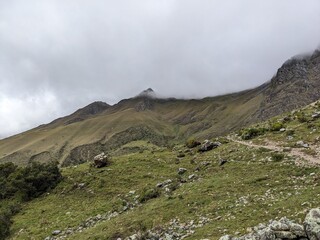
<point x="251" y="188"/>
<point x="211" y="116"/>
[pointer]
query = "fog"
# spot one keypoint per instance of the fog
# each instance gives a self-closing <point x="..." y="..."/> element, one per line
<point x="58" y="56"/>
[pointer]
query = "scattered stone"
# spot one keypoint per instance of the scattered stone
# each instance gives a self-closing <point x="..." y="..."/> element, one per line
<point x="192" y="176"/>
<point x="282" y="130"/>
<point x="290" y="138"/>
<point x="181" y="171"/>
<point x="316" y="115"/>
<point x="174" y="230"/>
<point x="285" y="229"/>
<point x="56" y="232"/>
<point x="208" y="145"/>
<point x="302" y="144"/>
<point x="205" y="163"/>
<point x="164" y="184"/>
<point x="222" y="162"/>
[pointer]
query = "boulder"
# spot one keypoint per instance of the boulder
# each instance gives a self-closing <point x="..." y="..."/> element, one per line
<point x="312" y="224"/>
<point x="208" y="145"/>
<point x="100" y="160"/>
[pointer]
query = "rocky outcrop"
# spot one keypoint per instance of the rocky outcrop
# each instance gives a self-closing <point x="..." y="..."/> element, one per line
<point x="296" y="84"/>
<point x="144" y="105"/>
<point x="312" y="224"/>
<point x="285" y="229"/>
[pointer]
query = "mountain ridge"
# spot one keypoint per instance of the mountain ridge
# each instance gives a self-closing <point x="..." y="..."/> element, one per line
<point x="146" y="117"/>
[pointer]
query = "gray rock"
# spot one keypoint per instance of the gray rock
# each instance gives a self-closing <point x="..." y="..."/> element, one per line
<point x="208" y="145"/>
<point x="316" y="115"/>
<point x="226" y="237"/>
<point x="222" y="162"/>
<point x="100" y="160"/>
<point x="298" y="230"/>
<point x="56" y="232"/>
<point x="312" y="224"/>
<point x="192" y="176"/>
<point x="302" y="144"/>
<point x="289" y="138"/>
<point x="181" y="170"/>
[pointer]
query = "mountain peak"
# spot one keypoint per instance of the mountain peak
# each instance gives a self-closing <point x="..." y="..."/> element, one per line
<point x="147" y="93"/>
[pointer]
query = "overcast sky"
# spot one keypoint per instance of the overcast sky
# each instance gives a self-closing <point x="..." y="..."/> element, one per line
<point x="57" y="56"/>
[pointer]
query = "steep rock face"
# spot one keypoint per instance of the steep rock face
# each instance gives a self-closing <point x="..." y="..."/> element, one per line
<point x="296" y="84"/>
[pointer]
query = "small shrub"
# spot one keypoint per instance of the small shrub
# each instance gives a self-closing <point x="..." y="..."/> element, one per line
<point x="290" y="132"/>
<point x="192" y="143"/>
<point x="276" y="126"/>
<point x="23" y="184"/>
<point x="5" y="223"/>
<point x="173" y="186"/>
<point x="301" y="117"/>
<point x="263" y="150"/>
<point x="252" y="132"/>
<point x="277" y="157"/>
<point x="149" y="194"/>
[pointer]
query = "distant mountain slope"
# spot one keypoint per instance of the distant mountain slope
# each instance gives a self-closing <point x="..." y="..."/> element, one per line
<point x="82" y="114"/>
<point x="100" y="127"/>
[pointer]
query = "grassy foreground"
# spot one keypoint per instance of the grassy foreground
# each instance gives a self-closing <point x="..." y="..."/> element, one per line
<point x="250" y="188"/>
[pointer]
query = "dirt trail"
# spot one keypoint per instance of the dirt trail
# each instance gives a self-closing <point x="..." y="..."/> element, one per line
<point x="274" y="146"/>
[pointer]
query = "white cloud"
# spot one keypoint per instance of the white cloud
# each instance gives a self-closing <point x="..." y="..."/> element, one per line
<point x="81" y="51"/>
<point x="23" y="113"/>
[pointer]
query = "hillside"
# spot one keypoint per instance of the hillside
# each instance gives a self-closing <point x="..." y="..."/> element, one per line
<point x="266" y="171"/>
<point x="99" y="127"/>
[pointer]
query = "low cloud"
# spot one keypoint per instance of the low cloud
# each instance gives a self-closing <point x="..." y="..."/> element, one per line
<point x="57" y="56"/>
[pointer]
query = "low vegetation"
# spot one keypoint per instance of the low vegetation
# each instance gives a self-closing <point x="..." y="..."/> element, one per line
<point x="149" y="188"/>
<point x="18" y="185"/>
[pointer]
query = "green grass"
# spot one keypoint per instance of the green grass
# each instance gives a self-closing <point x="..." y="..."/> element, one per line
<point x="217" y="192"/>
<point x="254" y="186"/>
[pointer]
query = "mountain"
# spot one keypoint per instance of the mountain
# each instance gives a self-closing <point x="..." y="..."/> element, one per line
<point x="181" y="193"/>
<point x="100" y="127"/>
